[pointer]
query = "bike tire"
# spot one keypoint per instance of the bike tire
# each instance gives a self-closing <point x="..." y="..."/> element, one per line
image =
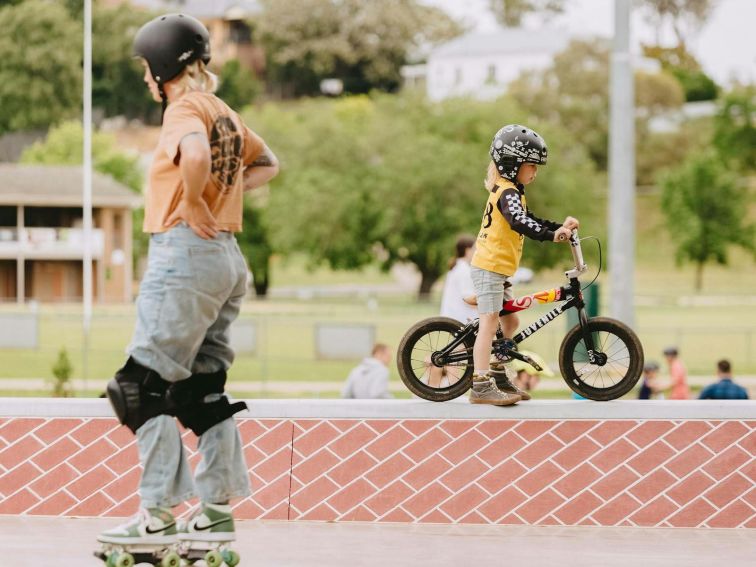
<point x="623" y="368"/>
<point x="419" y="342"/>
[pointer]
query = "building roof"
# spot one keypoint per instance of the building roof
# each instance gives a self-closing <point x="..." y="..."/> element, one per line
<point x="504" y="41"/>
<point x="226" y="9"/>
<point x="60" y="186"/>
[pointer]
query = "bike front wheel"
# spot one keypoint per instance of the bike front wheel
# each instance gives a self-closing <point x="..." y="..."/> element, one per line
<point x="417" y="370"/>
<point x="618" y="355"/>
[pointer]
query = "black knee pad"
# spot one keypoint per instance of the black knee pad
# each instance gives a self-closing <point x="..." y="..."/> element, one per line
<point x="187" y="401"/>
<point x="137" y="394"/>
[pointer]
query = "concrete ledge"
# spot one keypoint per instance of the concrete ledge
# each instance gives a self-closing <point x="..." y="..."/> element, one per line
<point x="419" y="409"/>
<point x="569" y="463"/>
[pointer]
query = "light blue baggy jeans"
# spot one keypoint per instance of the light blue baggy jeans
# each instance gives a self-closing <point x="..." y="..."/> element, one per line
<point x="191" y="292"/>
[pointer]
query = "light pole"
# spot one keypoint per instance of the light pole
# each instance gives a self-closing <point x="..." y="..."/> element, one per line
<point x="621" y="169"/>
<point x="87" y="189"/>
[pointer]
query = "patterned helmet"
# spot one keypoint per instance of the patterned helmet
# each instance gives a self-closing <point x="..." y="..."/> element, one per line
<point x="514" y="145"/>
<point x="171" y="42"/>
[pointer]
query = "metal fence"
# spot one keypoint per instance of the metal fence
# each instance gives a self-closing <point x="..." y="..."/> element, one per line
<point x="300" y="342"/>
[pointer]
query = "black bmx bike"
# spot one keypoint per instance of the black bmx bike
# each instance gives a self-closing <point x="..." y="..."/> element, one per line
<point x="600" y="358"/>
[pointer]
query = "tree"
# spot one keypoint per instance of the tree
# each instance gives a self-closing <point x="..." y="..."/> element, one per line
<point x="62" y="370"/>
<point x="396" y="178"/>
<point x="254" y="242"/>
<point x="574" y="92"/>
<point x="64" y="145"/>
<point x="40" y="65"/>
<point x="362" y="43"/>
<point x="681" y="64"/>
<point x="510" y="13"/>
<point x="735" y="128"/>
<point x="117" y="86"/>
<point x="706" y="212"/>
<point x="685" y="17"/>
<point x="238" y="86"/>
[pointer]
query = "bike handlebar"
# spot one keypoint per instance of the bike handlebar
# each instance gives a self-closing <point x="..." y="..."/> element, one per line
<point x="577" y="256"/>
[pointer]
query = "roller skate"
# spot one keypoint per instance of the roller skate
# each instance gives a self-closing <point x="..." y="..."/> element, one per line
<point x="207" y="536"/>
<point x="150" y="537"/>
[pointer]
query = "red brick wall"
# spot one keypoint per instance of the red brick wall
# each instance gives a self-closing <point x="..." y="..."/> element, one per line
<point x="674" y="473"/>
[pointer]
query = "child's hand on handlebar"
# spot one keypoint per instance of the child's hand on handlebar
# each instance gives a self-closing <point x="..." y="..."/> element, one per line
<point x="562" y="234"/>
<point x="571" y="223"/>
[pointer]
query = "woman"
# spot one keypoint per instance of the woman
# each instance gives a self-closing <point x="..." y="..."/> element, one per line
<point x="458" y="285"/>
<point x="191" y="292"/>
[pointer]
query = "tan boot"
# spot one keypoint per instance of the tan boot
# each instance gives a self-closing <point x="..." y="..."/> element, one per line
<point x="484" y="391"/>
<point x="504" y="383"/>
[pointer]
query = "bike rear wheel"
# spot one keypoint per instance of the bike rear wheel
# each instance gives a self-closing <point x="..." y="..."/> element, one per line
<point x="622" y="367"/>
<point x="416" y="369"/>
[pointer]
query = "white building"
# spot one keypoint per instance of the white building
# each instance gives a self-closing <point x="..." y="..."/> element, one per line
<point x="481" y="65"/>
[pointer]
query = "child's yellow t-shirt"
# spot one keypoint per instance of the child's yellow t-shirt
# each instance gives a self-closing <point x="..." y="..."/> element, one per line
<point x="505" y="224"/>
<point x="232" y="144"/>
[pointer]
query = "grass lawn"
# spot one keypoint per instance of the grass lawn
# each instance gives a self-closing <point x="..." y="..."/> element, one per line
<point x="718" y="321"/>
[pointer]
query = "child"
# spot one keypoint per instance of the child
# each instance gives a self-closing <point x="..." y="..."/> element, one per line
<point x="650" y="387"/>
<point x="516" y="152"/>
<point x="678" y="375"/>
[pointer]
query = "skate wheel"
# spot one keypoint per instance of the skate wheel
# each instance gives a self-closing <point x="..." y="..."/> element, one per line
<point x="231" y="558"/>
<point x="124" y="560"/>
<point x="171" y="559"/>
<point x="111" y="560"/>
<point x="213" y="559"/>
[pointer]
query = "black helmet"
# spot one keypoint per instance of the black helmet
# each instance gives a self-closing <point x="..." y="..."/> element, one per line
<point x="171" y="42"/>
<point x="514" y="145"/>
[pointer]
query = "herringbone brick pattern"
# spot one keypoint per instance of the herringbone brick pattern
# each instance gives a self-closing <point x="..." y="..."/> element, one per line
<point x="605" y="473"/>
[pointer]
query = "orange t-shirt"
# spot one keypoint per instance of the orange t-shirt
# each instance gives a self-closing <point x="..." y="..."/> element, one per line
<point x="233" y="146"/>
<point x="679" y="376"/>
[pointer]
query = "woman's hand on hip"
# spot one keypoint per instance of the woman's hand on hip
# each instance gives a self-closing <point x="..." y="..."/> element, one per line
<point x="198" y="216"/>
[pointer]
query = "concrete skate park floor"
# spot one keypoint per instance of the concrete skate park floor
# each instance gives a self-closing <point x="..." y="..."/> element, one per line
<point x="33" y="541"/>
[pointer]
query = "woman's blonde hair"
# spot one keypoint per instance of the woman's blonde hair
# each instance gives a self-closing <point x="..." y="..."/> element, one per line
<point x="492" y="177"/>
<point x="196" y="77"/>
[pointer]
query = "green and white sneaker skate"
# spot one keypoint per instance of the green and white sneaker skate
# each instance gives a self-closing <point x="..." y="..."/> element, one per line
<point x="153" y="526"/>
<point x="206" y="535"/>
<point x="209" y="522"/>
<point x="149" y="537"/>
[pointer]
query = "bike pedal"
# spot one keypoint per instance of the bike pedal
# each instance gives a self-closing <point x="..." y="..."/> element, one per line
<point x="532" y="363"/>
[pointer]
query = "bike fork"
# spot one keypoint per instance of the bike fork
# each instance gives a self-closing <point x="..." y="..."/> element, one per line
<point x="593" y="356"/>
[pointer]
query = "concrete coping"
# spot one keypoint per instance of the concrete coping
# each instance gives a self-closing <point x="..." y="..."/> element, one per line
<point x="419" y="409"/>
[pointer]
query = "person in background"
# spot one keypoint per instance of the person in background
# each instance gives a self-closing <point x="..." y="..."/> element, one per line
<point x="526" y="381"/>
<point x="370" y="378"/>
<point x="678" y="375"/>
<point x="528" y="377"/>
<point x="650" y="388"/>
<point x="458" y="286"/>
<point x="725" y="388"/>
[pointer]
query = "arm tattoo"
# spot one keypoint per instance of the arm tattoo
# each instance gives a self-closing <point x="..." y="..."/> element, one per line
<point x="263" y="160"/>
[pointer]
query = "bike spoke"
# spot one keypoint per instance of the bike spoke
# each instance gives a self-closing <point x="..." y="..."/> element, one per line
<point x="614" y="370"/>
<point x="423" y="368"/>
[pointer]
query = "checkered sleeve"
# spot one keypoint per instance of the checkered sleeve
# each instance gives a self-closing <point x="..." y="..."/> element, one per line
<point x="510" y="206"/>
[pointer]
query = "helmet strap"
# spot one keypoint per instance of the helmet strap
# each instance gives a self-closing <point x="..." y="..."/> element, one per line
<point x="164" y="99"/>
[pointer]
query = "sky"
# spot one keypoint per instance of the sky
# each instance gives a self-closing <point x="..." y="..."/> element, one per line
<point x="725" y="45"/>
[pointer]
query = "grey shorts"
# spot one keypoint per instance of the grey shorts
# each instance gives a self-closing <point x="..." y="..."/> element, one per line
<point x="491" y="288"/>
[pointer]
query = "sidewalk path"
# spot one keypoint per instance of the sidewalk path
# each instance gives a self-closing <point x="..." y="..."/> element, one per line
<point x="34" y="541"/>
<point x="314" y="387"/>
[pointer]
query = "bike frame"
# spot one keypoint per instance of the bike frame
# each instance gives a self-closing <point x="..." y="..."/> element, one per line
<point x="570" y="295"/>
